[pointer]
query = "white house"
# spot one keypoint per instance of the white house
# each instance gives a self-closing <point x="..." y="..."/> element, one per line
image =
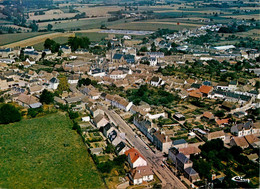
<point x="100" y="121"/>
<point x="225" y="47"/>
<point x="121" y="103"/>
<point x="7" y="60"/>
<point x="126" y="37"/>
<point x="244" y="129"/>
<point x="216" y="135"/>
<point x="152" y="61"/>
<point x="117" y="74"/>
<point x="30" y="61"/>
<point x="54" y="83"/>
<point x="135" y="159"/>
<point x="223" y="86"/>
<point x="73" y="79"/>
<point x="97" y="72"/>
<point x="29" y="49"/>
<point x="156" y="115"/>
<point x="156" y="81"/>
<point x="140" y="175"/>
<point x="85" y="119"/>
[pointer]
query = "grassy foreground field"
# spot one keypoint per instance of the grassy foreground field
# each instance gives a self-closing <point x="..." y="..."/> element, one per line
<point x="45" y="153"/>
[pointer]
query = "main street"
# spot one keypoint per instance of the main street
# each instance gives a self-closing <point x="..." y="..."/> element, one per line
<point x="169" y="180"/>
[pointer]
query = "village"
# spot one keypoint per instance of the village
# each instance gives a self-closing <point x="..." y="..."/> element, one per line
<point x="156" y="100"/>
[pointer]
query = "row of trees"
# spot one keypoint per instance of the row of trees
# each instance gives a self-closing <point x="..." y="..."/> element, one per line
<point x="74" y="42"/>
<point x="52" y="45"/>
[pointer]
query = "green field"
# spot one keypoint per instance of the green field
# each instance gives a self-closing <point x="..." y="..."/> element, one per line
<point x="11" y="38"/>
<point x="60" y="40"/>
<point x="81" y="24"/>
<point x="45" y="153"/>
<point x="146" y="25"/>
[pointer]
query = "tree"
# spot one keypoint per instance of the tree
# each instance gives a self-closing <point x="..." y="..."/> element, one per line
<point x="63" y="85"/>
<point x="9" y="114"/>
<point x="48" y="43"/>
<point x="84" y="82"/>
<point x="153" y="47"/>
<point x="52" y="45"/>
<point x="76" y="43"/>
<point x="220" y="113"/>
<point x="49" y="27"/>
<point x="21" y="56"/>
<point x="73" y="115"/>
<point x="109" y="45"/>
<point x="43" y="55"/>
<point x="143" y="49"/>
<point x="46" y="97"/>
<point x="2" y="99"/>
<point x="34" y="26"/>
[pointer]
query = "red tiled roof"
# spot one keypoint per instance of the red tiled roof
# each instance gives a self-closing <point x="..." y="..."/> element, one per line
<point x="240" y="141"/>
<point x="251" y="139"/>
<point x="205" y="89"/>
<point x="195" y="93"/>
<point x="208" y="115"/>
<point x="134" y="154"/>
<point x="222" y="121"/>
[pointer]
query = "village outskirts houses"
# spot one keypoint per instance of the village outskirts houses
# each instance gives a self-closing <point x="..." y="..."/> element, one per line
<point x="243" y="129"/>
<point x="140" y="171"/>
<point x="162" y="141"/>
<point x="117" y="101"/>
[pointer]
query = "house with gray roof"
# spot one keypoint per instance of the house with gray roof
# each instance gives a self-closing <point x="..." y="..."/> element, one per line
<point x="181" y="143"/>
<point x="121" y="148"/>
<point x="191" y="174"/>
<point x="243" y="129"/>
<point x="183" y="162"/>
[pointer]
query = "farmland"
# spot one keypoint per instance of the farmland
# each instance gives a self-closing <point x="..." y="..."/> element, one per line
<point x="37" y="39"/>
<point x="45" y="153"/>
<point x="150" y="26"/>
<point x="11" y="38"/>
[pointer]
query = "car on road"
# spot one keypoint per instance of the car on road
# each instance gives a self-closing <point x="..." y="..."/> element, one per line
<point x="136" y="136"/>
<point x="146" y="148"/>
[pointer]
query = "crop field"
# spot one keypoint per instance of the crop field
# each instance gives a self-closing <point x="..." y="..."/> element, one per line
<point x="88" y="23"/>
<point x="11" y="38"/>
<point x="93" y="36"/>
<point x="51" y="14"/>
<point x="99" y="11"/>
<point x="245" y="16"/>
<point x="45" y="153"/>
<point x="22" y="29"/>
<point x="150" y="25"/>
<point x="38" y="39"/>
<point x="255" y="34"/>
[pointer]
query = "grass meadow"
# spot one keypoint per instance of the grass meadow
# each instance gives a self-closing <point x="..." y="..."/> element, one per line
<point x="45" y="153"/>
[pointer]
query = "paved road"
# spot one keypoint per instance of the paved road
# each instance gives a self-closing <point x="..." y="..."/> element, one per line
<point x="169" y="180"/>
